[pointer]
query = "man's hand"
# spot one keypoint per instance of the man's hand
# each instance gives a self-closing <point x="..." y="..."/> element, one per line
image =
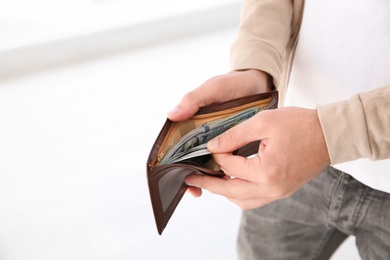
<point x="292" y="151"/>
<point x="217" y="89"/>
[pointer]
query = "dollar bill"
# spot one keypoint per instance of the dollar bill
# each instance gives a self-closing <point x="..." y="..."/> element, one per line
<point x="197" y="151"/>
<point x="194" y="143"/>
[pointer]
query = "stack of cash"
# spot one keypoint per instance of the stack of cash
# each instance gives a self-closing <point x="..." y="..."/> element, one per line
<point x="194" y="143"/>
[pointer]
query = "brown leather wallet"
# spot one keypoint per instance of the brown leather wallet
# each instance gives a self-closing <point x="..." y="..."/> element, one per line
<point x="166" y="181"/>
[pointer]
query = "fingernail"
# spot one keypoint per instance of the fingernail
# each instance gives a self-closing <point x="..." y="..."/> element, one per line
<point x="174" y="111"/>
<point x="213" y="144"/>
<point x="189" y="184"/>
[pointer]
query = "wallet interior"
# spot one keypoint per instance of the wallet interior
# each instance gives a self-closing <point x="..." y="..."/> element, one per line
<point x="179" y="129"/>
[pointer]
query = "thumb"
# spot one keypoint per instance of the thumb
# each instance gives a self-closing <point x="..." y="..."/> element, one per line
<point x="235" y="138"/>
<point x="182" y="111"/>
<point x="192" y="101"/>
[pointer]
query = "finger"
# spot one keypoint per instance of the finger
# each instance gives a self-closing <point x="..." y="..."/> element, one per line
<point x="239" y="167"/>
<point x="238" y="136"/>
<point x="197" y="192"/>
<point x="191" y="102"/>
<point x="194" y="191"/>
<point x="229" y="188"/>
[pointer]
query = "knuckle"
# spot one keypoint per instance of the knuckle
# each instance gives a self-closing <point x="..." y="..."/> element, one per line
<point x="216" y="81"/>
<point x="203" y="182"/>
<point x="189" y="97"/>
<point x="230" y="136"/>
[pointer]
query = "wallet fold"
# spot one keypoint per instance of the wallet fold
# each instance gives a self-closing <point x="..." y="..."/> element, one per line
<point x="166" y="181"/>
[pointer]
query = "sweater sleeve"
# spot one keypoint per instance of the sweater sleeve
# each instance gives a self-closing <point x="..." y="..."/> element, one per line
<point x="358" y="127"/>
<point x="265" y="31"/>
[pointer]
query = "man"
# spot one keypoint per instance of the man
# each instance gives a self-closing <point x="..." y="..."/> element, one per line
<point x="335" y="110"/>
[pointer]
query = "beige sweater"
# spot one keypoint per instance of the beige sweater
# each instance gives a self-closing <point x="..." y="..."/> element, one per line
<point x="266" y="41"/>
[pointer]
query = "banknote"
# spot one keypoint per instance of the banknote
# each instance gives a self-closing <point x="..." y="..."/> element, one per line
<point x="196" y="151"/>
<point x="194" y="143"/>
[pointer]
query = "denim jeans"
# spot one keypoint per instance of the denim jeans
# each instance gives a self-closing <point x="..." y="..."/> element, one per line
<point x="316" y="219"/>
